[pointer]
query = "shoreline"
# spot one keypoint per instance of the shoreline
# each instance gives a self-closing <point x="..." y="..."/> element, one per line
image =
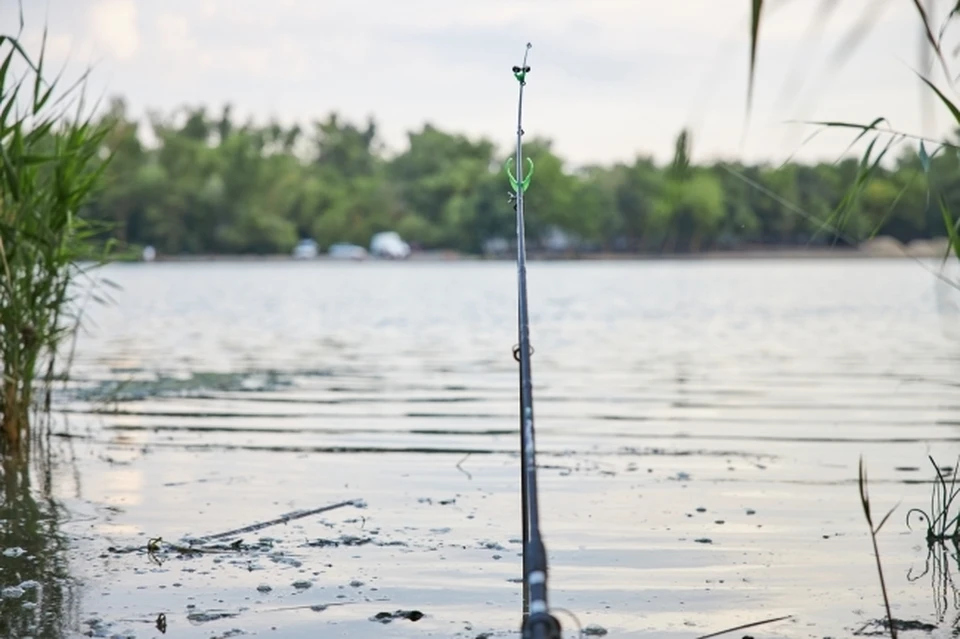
<point x="876" y="248"/>
<point x="539" y="256"/>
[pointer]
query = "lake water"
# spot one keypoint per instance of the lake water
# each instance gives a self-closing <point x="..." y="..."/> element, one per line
<point x="699" y="427"/>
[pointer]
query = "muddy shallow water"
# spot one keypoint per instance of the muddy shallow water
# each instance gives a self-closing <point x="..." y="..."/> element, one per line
<point x="699" y="427"/>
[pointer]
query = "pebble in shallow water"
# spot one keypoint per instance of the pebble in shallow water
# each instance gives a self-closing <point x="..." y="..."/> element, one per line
<point x="12" y="592"/>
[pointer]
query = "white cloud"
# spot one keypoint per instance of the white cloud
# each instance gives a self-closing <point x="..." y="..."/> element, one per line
<point x="173" y="34"/>
<point x="612" y="78"/>
<point x="240" y="54"/>
<point x="113" y="24"/>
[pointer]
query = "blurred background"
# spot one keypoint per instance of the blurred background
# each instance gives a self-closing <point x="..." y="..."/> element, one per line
<point x="244" y="127"/>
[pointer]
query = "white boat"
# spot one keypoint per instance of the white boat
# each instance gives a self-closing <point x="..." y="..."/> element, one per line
<point x="305" y="250"/>
<point x="390" y="245"/>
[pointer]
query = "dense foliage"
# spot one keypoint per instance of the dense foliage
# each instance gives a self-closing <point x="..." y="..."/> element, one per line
<point x="208" y="184"/>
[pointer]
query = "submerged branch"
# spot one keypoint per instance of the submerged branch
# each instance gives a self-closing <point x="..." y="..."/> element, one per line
<point x="283" y="519"/>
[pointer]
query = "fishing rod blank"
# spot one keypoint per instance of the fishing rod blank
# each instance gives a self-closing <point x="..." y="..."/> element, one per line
<point x="538" y="623"/>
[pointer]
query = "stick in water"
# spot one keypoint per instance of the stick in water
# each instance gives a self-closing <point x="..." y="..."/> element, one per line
<point x="538" y="623"/>
<point x="283" y="519"/>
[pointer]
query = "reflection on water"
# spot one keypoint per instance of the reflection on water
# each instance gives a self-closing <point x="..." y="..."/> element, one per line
<point x="38" y="597"/>
<point x="699" y="425"/>
<point x="942" y="567"/>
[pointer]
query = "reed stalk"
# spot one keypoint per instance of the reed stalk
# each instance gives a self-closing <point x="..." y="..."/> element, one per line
<point x="51" y="160"/>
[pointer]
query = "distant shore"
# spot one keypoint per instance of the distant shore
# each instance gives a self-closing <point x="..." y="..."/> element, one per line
<point x="873" y="249"/>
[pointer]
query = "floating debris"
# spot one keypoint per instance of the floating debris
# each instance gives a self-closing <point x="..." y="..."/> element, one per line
<point x="209" y="615"/>
<point x="387" y="617"/>
<point x="880" y="627"/>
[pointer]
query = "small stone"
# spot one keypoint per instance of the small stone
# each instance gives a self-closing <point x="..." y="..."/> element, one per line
<point x="264" y="588"/>
<point x="593" y="630"/>
<point x="11" y="592"/>
<point x="302" y="584"/>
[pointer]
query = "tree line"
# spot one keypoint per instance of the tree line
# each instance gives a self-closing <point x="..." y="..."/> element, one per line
<point x="207" y="184"/>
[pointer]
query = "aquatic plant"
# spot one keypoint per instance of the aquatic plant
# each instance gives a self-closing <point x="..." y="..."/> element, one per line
<point x="50" y="162"/>
<point x="943" y="518"/>
<point x="874" y="530"/>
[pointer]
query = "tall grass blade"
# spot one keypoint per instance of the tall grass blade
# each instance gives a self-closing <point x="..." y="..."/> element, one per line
<point x="954" y="111"/>
<point x="953" y="233"/>
<point x="756" y="10"/>
<point x="865" y="503"/>
<point x="928" y="32"/>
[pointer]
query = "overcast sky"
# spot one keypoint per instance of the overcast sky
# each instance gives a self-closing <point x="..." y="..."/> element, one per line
<point x="611" y="79"/>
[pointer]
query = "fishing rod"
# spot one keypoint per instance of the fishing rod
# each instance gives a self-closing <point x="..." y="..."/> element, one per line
<point x="538" y="623"/>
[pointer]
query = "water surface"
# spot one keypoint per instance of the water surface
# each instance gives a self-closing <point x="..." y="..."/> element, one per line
<point x="699" y="427"/>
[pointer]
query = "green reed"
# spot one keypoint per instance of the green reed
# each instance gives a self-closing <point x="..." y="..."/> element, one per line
<point x="874" y="531"/>
<point x="51" y="158"/>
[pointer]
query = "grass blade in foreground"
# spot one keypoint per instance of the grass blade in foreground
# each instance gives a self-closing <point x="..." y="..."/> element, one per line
<point x="538" y="623"/>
